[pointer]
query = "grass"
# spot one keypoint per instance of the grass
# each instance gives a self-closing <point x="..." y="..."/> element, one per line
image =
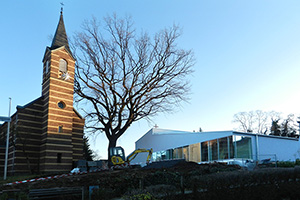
<point x="11" y="179"/>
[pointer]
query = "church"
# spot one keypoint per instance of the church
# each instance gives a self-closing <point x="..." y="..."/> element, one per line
<point x="46" y="135"/>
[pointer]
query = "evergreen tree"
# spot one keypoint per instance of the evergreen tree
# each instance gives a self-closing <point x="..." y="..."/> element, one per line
<point x="275" y="128"/>
<point x="88" y="153"/>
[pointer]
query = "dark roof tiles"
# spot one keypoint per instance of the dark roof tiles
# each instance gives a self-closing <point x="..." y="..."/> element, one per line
<point x="60" y="38"/>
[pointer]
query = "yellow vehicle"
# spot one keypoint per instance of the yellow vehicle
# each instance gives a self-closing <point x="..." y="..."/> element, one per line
<point x="117" y="155"/>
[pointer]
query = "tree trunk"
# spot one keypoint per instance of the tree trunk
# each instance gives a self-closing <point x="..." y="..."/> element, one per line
<point x="112" y="143"/>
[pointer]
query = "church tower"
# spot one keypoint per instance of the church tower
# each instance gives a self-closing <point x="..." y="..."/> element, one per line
<point x="62" y="126"/>
<point x="46" y="135"/>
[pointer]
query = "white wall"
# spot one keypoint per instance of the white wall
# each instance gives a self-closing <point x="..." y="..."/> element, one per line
<point x="285" y="149"/>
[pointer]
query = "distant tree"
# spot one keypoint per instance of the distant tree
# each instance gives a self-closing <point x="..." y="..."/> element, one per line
<point x="244" y="120"/>
<point x="262" y="118"/>
<point x="88" y="153"/>
<point x="288" y="127"/>
<point x="266" y="123"/>
<point x="125" y="76"/>
<point x="253" y="121"/>
<point x="275" y="128"/>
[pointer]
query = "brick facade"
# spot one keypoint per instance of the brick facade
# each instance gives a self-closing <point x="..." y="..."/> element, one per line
<point x="47" y="134"/>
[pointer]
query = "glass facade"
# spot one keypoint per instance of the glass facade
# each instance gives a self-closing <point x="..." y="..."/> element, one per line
<point x="177" y="153"/>
<point x="204" y="151"/>
<point x="194" y="152"/>
<point x="185" y="153"/>
<point x="162" y="155"/>
<point x="242" y="146"/>
<point x="213" y="150"/>
<point x="230" y="147"/>
<point x="223" y="149"/>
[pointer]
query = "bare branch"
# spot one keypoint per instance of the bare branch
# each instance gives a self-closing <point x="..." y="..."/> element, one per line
<point x="125" y="77"/>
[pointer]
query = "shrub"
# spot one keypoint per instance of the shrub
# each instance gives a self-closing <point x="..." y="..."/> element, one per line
<point x="103" y="194"/>
<point x="161" y="190"/>
<point x="151" y="192"/>
<point x="141" y="196"/>
<point x="20" y="196"/>
<point x="4" y="196"/>
<point x="286" y="164"/>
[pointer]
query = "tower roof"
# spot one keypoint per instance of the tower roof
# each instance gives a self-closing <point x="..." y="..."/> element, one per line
<point x="60" y="38"/>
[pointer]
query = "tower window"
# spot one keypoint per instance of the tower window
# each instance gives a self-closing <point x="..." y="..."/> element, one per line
<point x="63" y="66"/>
<point x="47" y="67"/>
<point x="60" y="129"/>
<point x="58" y="159"/>
<point x="61" y="104"/>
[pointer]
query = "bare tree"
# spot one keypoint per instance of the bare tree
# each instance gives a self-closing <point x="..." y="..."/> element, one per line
<point x="266" y="123"/>
<point x="245" y="121"/>
<point x="125" y="76"/>
<point x="262" y="123"/>
<point x="255" y="121"/>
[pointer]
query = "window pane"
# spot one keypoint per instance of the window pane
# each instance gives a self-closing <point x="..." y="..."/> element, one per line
<point x="243" y="146"/>
<point x="120" y="152"/>
<point x="163" y="155"/>
<point x="180" y="156"/>
<point x="154" y="157"/>
<point x="158" y="156"/>
<point x="174" y="154"/>
<point x="62" y="65"/>
<point x="185" y="153"/>
<point x="169" y="154"/>
<point x="223" y="148"/>
<point x="47" y="67"/>
<point x="214" y="149"/>
<point x="204" y="151"/>
<point x="194" y="152"/>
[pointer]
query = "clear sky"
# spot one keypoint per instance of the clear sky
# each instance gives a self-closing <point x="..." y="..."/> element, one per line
<point x="247" y="55"/>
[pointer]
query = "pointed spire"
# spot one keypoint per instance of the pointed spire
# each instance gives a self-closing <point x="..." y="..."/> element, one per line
<point x="60" y="38"/>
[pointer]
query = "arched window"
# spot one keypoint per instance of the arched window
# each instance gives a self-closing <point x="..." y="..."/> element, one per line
<point x="63" y="65"/>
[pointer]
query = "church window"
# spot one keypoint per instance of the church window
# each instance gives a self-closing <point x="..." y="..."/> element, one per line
<point x="61" y="105"/>
<point x="63" y="66"/>
<point x="58" y="159"/>
<point x="60" y="129"/>
<point x="47" y="67"/>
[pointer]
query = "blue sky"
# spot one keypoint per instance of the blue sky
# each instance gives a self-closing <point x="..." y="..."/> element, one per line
<point x="247" y="55"/>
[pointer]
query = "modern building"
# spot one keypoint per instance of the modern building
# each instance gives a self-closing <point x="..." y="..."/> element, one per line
<point x="47" y="134"/>
<point x="216" y="146"/>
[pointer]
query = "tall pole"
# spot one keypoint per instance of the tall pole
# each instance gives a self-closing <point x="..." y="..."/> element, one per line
<point x="7" y="142"/>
